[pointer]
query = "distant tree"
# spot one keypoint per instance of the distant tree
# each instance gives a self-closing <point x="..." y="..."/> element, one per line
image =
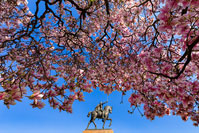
<point x="67" y="47"/>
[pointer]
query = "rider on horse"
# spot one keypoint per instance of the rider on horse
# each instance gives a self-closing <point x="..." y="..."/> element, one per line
<point x="99" y="108"/>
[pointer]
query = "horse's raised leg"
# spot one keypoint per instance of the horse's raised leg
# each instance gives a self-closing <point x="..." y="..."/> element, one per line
<point x="110" y="121"/>
<point x="94" y="123"/>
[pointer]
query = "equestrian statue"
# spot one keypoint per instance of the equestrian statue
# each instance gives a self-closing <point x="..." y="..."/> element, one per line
<point x="100" y="113"/>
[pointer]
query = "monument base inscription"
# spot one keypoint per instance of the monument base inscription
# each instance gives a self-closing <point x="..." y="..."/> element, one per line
<point x="98" y="131"/>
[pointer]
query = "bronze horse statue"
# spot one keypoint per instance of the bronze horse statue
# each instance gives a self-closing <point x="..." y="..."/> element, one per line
<point x="100" y="115"/>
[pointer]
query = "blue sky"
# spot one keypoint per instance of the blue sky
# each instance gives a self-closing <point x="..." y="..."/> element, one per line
<point x="22" y="118"/>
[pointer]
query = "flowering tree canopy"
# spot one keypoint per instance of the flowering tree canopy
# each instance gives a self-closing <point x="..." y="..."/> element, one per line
<point x="67" y="47"/>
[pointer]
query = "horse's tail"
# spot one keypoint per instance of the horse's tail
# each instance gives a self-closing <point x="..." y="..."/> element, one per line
<point x="88" y="114"/>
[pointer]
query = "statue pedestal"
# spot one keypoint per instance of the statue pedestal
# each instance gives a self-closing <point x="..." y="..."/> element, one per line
<point x="98" y="131"/>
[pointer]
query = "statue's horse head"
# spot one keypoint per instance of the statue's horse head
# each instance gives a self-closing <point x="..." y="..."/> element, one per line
<point x="108" y="109"/>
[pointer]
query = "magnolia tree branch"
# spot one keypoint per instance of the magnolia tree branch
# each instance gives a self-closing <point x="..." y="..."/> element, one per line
<point x="66" y="48"/>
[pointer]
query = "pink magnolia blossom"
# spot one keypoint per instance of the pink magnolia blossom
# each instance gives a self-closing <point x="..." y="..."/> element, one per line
<point x="2" y="95"/>
<point x="36" y="96"/>
<point x="1" y="79"/>
<point x="148" y="48"/>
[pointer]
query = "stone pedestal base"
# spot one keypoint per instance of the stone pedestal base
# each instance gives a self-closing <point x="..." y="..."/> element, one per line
<point x="98" y="131"/>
